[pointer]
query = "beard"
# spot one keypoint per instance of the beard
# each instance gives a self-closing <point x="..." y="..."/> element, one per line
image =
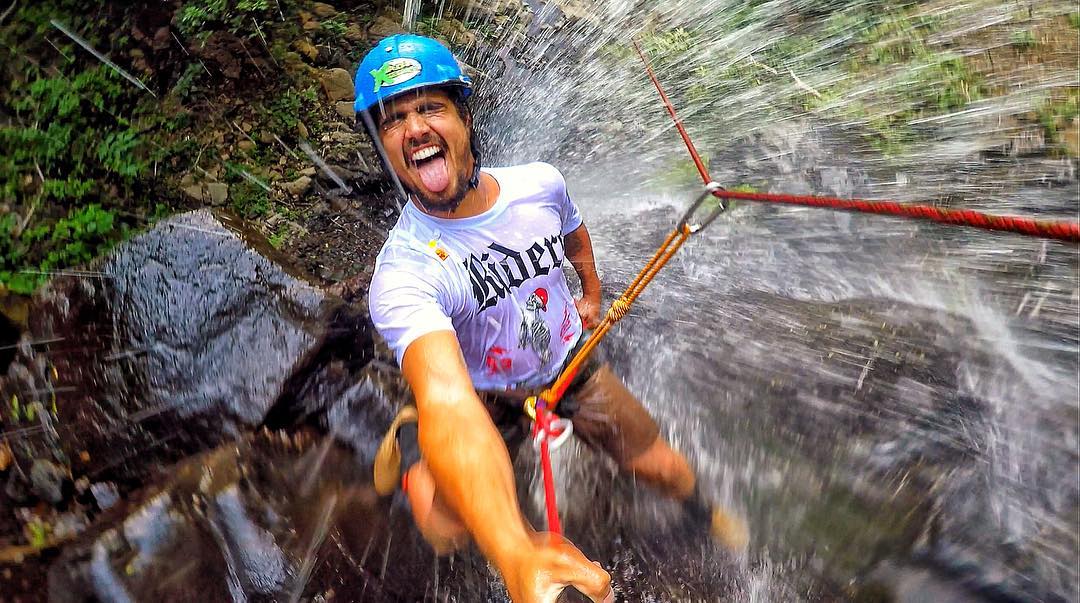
<point x="444" y="205"/>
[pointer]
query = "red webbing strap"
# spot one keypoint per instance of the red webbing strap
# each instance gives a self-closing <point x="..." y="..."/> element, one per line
<point x="543" y="419"/>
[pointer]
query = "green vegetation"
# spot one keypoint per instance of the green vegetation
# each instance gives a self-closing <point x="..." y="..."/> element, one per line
<point x="334" y="28"/>
<point x="1056" y="114"/>
<point x="1074" y="20"/>
<point x="285" y="111"/>
<point x="69" y="142"/>
<point x="28" y="255"/>
<point x="1023" y="39"/>
<point x="201" y="17"/>
<point x="37" y="533"/>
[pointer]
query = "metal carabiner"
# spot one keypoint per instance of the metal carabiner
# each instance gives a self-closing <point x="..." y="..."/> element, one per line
<point x="558" y="430"/>
<point x="710" y="188"/>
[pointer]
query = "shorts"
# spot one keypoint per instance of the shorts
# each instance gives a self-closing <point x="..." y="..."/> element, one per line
<point x="606" y="416"/>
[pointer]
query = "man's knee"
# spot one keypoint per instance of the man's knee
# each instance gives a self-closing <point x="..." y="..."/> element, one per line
<point x="438" y="524"/>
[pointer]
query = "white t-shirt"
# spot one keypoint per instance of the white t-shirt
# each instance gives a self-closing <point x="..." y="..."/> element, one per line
<point x="494" y="279"/>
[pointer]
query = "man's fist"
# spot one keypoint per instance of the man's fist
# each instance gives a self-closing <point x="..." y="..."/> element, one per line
<point x="552" y="565"/>
<point x="588" y="308"/>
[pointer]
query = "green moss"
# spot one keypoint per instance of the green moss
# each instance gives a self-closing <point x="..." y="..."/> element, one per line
<point x="249" y="200"/>
<point x="1056" y="114"/>
<point x="1023" y="39"/>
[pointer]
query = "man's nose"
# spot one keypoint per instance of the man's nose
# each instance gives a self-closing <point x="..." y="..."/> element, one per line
<point x="416" y="127"/>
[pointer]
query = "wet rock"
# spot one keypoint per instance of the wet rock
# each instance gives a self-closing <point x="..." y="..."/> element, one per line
<point x="323" y="10"/>
<point x="346" y="138"/>
<point x="16" y="488"/>
<point x="354" y="33"/>
<point x="909" y="584"/>
<point x="195" y="191"/>
<point x="1027" y="141"/>
<point x="266" y="137"/>
<point x="337" y="83"/>
<point x="47" y="481"/>
<point x="269" y="518"/>
<point x="306" y="48"/>
<point x="456" y="32"/>
<point x="386" y="24"/>
<point x="297" y="187"/>
<point x="345" y="110"/>
<point x="341" y="172"/>
<point x="1071" y="137"/>
<point x="193" y="336"/>
<point x="217" y="192"/>
<point x="308" y="171"/>
<point x="105" y="494"/>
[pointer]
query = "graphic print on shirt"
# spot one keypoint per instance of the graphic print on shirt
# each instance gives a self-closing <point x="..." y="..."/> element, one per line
<point x="494" y="278"/>
<point x="497" y="361"/>
<point x="534" y="331"/>
<point x="566" y="331"/>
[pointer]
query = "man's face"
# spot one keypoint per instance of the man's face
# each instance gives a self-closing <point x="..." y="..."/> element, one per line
<point x="427" y="145"/>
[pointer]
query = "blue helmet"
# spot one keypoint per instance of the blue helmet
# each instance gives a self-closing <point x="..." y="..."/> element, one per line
<point x="406" y="62"/>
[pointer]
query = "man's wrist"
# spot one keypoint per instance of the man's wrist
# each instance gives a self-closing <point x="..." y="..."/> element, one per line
<point x="590" y="288"/>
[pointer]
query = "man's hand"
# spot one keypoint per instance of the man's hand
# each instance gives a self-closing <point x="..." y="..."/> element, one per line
<point x="588" y="308"/>
<point x="580" y="253"/>
<point x="552" y="565"/>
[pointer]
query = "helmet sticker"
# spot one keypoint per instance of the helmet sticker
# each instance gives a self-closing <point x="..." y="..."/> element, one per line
<point x="395" y="71"/>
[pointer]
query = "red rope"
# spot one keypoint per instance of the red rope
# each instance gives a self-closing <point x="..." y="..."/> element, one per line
<point x="543" y="418"/>
<point x="1064" y="231"/>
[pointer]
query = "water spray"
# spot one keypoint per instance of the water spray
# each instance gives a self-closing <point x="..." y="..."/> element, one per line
<point x="1063" y="231"/>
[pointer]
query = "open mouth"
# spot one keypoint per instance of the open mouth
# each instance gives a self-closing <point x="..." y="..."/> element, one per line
<point x="430" y="163"/>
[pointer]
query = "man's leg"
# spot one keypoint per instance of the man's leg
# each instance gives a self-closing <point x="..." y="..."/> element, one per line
<point x="437" y="522"/>
<point x="610" y="418"/>
<point x="663" y="468"/>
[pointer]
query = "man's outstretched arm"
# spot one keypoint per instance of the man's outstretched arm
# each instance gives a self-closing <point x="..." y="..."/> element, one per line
<point x="472" y="472"/>
<point x="579" y="251"/>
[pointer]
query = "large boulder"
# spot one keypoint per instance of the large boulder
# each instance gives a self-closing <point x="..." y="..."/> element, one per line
<point x="183" y="336"/>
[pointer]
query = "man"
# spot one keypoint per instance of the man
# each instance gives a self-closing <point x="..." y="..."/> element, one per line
<point x="469" y="292"/>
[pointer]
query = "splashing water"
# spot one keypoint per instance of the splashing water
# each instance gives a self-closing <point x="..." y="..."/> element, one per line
<point x="883" y="399"/>
<point x="86" y="45"/>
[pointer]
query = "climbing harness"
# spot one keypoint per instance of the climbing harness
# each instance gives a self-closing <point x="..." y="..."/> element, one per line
<point x="1064" y="231"/>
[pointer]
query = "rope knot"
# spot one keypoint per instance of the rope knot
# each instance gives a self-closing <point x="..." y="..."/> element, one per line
<point x="619" y="308"/>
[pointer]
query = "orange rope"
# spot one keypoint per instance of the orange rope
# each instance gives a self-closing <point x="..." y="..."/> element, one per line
<point x="619" y="308"/>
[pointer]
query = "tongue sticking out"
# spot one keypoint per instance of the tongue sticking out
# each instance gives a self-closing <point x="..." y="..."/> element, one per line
<point x="433" y="174"/>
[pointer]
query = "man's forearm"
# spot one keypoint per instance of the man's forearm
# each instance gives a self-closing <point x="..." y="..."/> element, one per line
<point x="463" y="450"/>
<point x="579" y="251"/>
<point x="473" y="473"/>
